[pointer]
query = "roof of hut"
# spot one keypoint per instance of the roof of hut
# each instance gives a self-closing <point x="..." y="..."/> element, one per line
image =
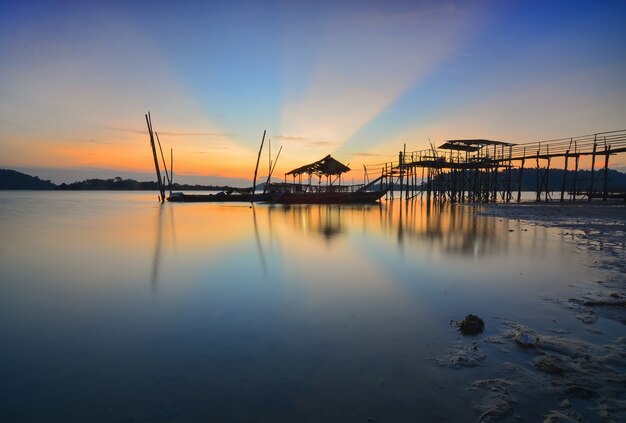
<point x="326" y="166"/>
<point x="470" y="145"/>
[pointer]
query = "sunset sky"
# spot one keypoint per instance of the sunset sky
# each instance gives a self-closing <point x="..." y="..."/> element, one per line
<point x="356" y="79"/>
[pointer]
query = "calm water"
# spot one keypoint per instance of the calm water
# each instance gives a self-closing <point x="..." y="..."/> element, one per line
<point x="114" y="308"/>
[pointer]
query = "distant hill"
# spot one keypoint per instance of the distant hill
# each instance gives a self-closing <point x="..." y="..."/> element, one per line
<point x="119" y="184"/>
<point x="107" y="184"/>
<point x="616" y="181"/>
<point x="12" y="179"/>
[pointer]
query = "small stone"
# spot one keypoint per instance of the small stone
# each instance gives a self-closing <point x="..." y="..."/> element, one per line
<point x="525" y="339"/>
<point x="472" y="325"/>
<point x="549" y="365"/>
<point x="580" y="392"/>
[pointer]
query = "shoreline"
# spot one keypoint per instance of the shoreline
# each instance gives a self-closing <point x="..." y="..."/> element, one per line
<point x="583" y="379"/>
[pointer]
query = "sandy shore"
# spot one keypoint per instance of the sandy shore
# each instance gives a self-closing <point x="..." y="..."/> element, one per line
<point x="584" y="379"/>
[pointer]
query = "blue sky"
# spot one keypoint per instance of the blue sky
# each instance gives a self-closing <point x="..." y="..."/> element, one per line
<point x="354" y="79"/>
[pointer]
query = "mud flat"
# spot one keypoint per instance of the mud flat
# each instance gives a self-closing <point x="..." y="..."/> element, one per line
<point x="557" y="373"/>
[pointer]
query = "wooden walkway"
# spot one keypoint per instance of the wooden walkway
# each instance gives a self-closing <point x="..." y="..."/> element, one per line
<point x="479" y="170"/>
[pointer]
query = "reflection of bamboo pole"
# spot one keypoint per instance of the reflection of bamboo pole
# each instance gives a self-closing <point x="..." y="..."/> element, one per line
<point x="257" y="164"/>
<point x="258" y="242"/>
<point x="157" y="250"/>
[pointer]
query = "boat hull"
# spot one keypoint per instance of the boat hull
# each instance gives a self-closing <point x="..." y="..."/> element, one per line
<point x="329" y="197"/>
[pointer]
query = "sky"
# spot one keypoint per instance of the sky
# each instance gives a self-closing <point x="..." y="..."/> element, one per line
<point x="355" y="79"/>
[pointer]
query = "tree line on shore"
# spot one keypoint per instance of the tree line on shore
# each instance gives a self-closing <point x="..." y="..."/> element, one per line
<point x="14" y="180"/>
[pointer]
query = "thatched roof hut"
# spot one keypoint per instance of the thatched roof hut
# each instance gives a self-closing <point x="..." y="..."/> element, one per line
<point x="324" y="167"/>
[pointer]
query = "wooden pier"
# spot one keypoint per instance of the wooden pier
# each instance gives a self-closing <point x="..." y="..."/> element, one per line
<point x="480" y="170"/>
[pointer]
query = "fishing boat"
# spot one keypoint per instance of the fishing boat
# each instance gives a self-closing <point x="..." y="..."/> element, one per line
<point x="333" y="192"/>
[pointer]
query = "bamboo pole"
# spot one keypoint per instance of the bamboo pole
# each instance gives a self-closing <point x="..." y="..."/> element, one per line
<point x="156" y="160"/>
<point x="257" y="163"/>
<point x="538" y="176"/>
<point x="269" y="176"/>
<point x="519" y="182"/>
<point x="167" y="175"/>
<point x="564" y="175"/>
<point x="547" y="178"/>
<point x="574" y="182"/>
<point x="171" y="169"/>
<point x="593" y="165"/>
<point x="607" y="153"/>
<point x="401" y="168"/>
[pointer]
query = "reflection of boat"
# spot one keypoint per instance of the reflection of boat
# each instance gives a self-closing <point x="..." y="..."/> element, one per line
<point x="224" y="196"/>
<point x="299" y="193"/>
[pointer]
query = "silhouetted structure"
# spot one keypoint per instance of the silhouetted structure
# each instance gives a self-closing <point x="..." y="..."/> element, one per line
<point x="332" y="192"/>
<point x="479" y="170"/>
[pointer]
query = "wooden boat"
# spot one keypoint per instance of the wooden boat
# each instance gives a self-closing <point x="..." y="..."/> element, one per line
<point x="298" y="193"/>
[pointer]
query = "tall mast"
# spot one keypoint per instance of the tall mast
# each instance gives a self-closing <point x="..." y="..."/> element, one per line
<point x="156" y="160"/>
<point x="257" y="164"/>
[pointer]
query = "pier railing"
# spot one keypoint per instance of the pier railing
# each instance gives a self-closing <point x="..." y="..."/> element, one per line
<point x="482" y="170"/>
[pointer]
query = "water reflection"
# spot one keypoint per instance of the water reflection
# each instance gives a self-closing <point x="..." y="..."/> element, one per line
<point x="258" y="241"/>
<point x="264" y="313"/>
<point x="324" y="220"/>
<point x="157" y="248"/>
<point x="453" y="228"/>
<point x="282" y="238"/>
<point x="162" y="209"/>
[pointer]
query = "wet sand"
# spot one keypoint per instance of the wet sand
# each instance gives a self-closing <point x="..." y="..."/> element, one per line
<point x="580" y="374"/>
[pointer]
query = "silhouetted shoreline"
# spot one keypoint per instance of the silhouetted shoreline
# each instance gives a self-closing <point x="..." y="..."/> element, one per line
<point x="14" y="180"/>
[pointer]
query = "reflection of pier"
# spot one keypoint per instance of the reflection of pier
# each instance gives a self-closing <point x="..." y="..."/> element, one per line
<point x="454" y="229"/>
<point x="479" y="170"/>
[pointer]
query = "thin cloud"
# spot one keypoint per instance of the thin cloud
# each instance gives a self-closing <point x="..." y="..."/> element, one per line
<point x="197" y="134"/>
<point x="321" y="143"/>
<point x="305" y="141"/>
<point x="368" y="154"/>
<point x="290" y="138"/>
<point x="212" y="149"/>
<point x="174" y="133"/>
<point x="92" y="141"/>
